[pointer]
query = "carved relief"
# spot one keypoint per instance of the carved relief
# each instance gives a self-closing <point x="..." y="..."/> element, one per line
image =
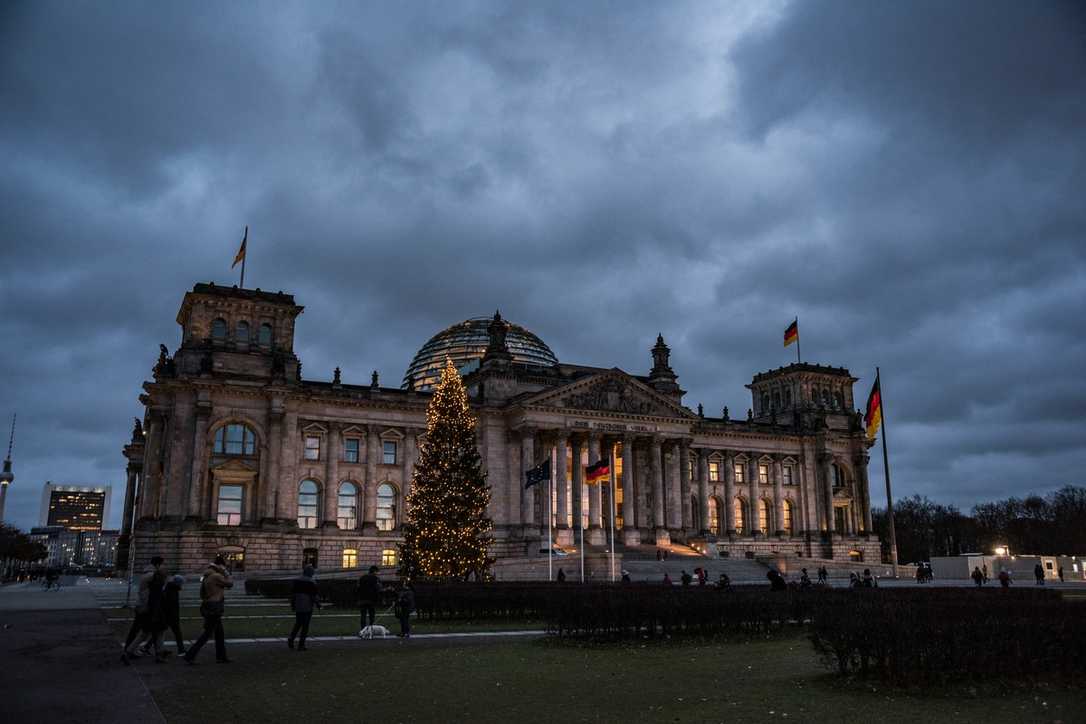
<point x="613" y="395"/>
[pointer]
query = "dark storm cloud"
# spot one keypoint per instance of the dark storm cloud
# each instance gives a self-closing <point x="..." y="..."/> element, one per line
<point x="902" y="177"/>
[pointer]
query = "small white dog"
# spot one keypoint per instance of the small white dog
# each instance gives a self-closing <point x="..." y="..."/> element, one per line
<point x="376" y="631"/>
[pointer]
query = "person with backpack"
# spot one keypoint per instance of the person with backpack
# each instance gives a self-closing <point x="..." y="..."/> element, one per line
<point x="303" y="599"/>
<point x="405" y="606"/>
<point x="212" y="607"/>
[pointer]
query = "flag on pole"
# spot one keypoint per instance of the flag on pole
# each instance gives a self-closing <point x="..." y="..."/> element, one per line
<point x="598" y="472"/>
<point x="539" y="474"/>
<point x="240" y="256"/>
<point x="873" y="418"/>
<point x="792" y="333"/>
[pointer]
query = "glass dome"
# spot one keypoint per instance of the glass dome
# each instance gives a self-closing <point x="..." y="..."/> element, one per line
<point x="465" y="343"/>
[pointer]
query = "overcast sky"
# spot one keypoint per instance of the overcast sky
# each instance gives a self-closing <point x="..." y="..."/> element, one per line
<point x="906" y="177"/>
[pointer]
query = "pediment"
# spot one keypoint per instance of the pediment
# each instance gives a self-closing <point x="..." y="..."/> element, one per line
<point x="613" y="391"/>
<point x="233" y="470"/>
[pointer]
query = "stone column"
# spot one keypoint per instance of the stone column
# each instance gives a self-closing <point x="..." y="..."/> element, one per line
<point x="410" y="454"/>
<point x="703" y="491"/>
<point x="729" y="492"/>
<point x="826" y="464"/>
<point x="865" y="491"/>
<point x="752" y="488"/>
<point x="516" y="483"/>
<point x="674" y="493"/>
<point x="527" y="462"/>
<point x="369" y="486"/>
<point x="331" y="478"/>
<point x="630" y="535"/>
<point x="684" y="487"/>
<point x="289" y="452"/>
<point x="778" y="497"/>
<point x="273" y="451"/>
<point x="595" y="535"/>
<point x="562" y="533"/>
<point x="199" y="464"/>
<point x="576" y="445"/>
<point x="152" y="468"/>
<point x="658" y="522"/>
<point x="129" y="504"/>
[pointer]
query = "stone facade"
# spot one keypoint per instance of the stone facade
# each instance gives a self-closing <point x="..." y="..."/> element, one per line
<point x="238" y="454"/>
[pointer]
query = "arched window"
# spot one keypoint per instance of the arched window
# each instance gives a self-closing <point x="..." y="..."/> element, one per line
<point x="243" y="332"/>
<point x="235" y="439"/>
<point x="265" y="338"/>
<point x="218" y="329"/>
<point x="386" y="507"/>
<point x="763" y="516"/>
<point x="308" y="500"/>
<point x="714" y="516"/>
<point x="787" y="523"/>
<point x="347" y="507"/>
<point x="740" y="516"/>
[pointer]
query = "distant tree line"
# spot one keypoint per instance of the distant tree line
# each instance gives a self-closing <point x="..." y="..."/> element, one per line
<point x="17" y="549"/>
<point x="1050" y="525"/>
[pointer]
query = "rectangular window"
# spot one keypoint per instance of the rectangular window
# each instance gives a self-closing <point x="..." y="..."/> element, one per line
<point x="312" y="447"/>
<point x="389" y="452"/>
<point x="740" y="474"/>
<point x="788" y="475"/>
<point x="350" y="450"/>
<point x="388" y="557"/>
<point x="763" y="474"/>
<point x="350" y="558"/>
<point x="714" y="471"/>
<point x="229" y="508"/>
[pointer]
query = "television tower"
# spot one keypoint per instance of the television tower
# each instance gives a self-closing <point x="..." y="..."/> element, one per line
<point x="7" y="477"/>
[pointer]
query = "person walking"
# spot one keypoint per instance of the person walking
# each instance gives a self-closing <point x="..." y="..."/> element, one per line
<point x="804" y="579"/>
<point x="171" y="610"/>
<point x="978" y="576"/>
<point x="822" y="575"/>
<point x="1039" y="574"/>
<point x="405" y="606"/>
<point x="1004" y="578"/>
<point x="561" y="576"/>
<point x="212" y="607"/>
<point x="626" y="576"/>
<point x="984" y="571"/>
<point x="369" y="595"/>
<point x="141" y="622"/>
<point x="1059" y="572"/>
<point x="869" y="580"/>
<point x="686" y="578"/>
<point x="304" y="597"/>
<point x="156" y="615"/>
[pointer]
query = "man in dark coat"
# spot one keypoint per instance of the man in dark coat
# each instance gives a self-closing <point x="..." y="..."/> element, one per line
<point x="303" y="599"/>
<point x="405" y="606"/>
<point x="171" y="610"/>
<point x="369" y="595"/>
<point x="1039" y="574"/>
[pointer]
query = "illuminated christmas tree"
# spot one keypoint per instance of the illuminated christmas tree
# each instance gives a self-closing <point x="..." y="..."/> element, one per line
<point x="447" y="532"/>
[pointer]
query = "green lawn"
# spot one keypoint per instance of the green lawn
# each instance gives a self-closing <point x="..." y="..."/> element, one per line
<point x="522" y="681"/>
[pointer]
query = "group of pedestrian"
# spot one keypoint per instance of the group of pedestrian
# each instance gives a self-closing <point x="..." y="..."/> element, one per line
<point x="158" y="610"/>
<point x="867" y="580"/>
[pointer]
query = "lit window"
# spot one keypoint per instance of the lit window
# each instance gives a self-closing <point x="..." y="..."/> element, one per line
<point x="218" y="329"/>
<point x="740" y="474"/>
<point x="347" y="506"/>
<point x="229" y="508"/>
<point x="308" y="498"/>
<point x="714" y="516"/>
<point x="350" y="558"/>
<point x="787" y="470"/>
<point x="350" y="450"/>
<point x="389" y="452"/>
<point x="389" y="557"/>
<point x="234" y="440"/>
<point x="386" y="507"/>
<point x="763" y="516"/>
<point x="714" y="471"/>
<point x="763" y="474"/>
<point x="740" y="516"/>
<point x="265" y="338"/>
<point x="243" y="332"/>
<point x="787" y="517"/>
<point x="312" y="447"/>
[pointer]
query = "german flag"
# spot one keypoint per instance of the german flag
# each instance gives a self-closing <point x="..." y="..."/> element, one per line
<point x="873" y="418"/>
<point x="240" y="256"/>
<point x="598" y="472"/>
<point x="792" y="333"/>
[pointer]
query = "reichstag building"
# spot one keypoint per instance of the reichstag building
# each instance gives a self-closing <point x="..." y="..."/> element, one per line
<point x="237" y="453"/>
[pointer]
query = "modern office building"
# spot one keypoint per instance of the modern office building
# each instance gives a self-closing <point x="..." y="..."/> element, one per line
<point x="75" y="507"/>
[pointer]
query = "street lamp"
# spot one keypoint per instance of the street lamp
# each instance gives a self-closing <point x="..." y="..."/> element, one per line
<point x="1002" y="551"/>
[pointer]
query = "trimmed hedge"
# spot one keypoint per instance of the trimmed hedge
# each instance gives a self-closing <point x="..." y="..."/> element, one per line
<point x="902" y="635"/>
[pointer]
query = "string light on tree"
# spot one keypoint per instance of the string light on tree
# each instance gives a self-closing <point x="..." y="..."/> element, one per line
<point x="448" y="533"/>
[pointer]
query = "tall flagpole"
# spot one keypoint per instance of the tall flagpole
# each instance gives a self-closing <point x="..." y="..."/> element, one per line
<point x="799" y="357"/>
<point x="611" y="469"/>
<point x="246" y="242"/>
<point x="550" y="539"/>
<point x="886" y="471"/>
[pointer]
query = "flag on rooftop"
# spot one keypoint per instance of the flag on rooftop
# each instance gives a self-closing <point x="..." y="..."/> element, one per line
<point x="792" y="333"/>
